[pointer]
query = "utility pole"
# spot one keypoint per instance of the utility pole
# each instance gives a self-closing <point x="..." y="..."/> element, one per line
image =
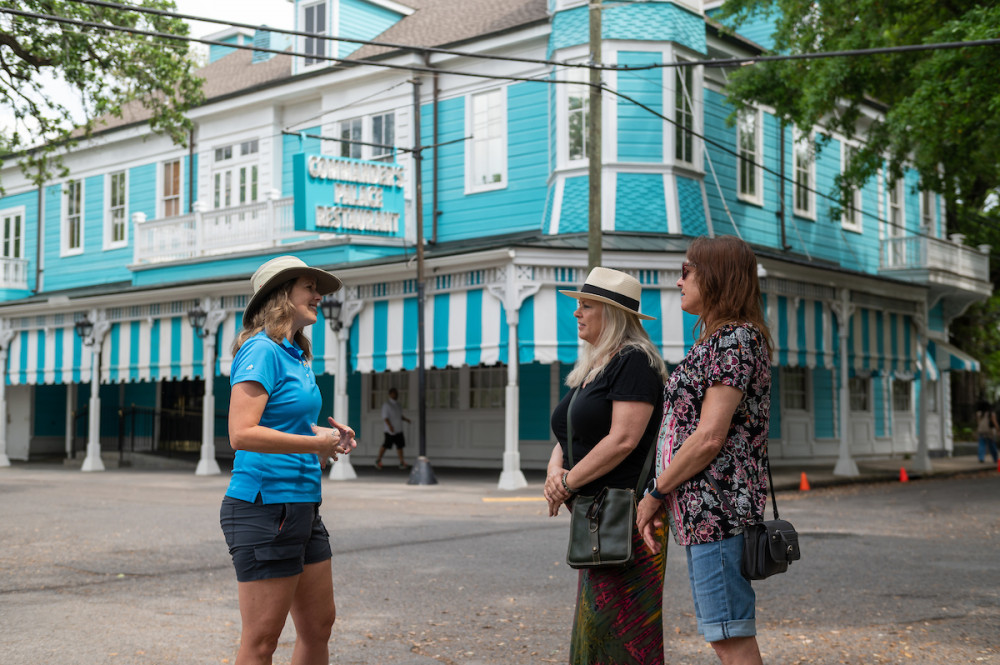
<point x="421" y="473"/>
<point x="594" y="170"/>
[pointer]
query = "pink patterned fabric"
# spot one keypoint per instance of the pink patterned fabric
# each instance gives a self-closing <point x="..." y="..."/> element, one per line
<point x="734" y="355"/>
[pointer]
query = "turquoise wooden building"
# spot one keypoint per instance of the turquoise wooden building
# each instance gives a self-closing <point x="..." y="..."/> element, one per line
<point x="291" y="154"/>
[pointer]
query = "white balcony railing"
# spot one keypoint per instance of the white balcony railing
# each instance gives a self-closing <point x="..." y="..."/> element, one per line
<point x="247" y="227"/>
<point x="13" y="273"/>
<point x="925" y="254"/>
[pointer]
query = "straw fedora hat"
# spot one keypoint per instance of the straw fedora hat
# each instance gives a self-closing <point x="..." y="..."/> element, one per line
<point x="612" y="287"/>
<point x="279" y="270"/>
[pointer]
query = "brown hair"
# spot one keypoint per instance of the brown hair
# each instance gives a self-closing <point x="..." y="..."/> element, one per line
<point x="725" y="268"/>
<point x="274" y="317"/>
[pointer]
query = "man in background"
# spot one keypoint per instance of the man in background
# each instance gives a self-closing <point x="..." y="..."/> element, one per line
<point x="392" y="416"/>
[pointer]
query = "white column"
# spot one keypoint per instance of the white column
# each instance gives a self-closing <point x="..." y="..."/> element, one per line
<point x="93" y="461"/>
<point x="922" y="460"/>
<point x="512" y="295"/>
<point x="70" y="422"/>
<point x="342" y="468"/>
<point x="207" y="466"/>
<point x="846" y="466"/>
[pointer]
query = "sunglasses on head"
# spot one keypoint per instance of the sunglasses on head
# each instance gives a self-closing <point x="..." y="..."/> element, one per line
<point x="686" y="268"/>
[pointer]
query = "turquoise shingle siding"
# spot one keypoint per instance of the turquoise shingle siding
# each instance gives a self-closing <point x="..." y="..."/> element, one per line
<point x="640" y="133"/>
<point x="362" y="20"/>
<point x="639" y="204"/>
<point x="651" y="21"/>
<point x="573" y="217"/>
<point x="520" y="206"/>
<point x="758" y="27"/>
<point x="692" y="207"/>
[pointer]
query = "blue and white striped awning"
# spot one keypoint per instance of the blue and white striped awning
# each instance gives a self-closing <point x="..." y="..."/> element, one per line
<point x="950" y="358"/>
<point x="806" y="334"/>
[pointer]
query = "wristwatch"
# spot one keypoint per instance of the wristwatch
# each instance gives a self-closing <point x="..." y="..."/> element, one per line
<point x="652" y="491"/>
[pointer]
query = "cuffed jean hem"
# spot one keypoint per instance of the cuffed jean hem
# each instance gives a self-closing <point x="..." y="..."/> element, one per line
<point x="715" y="632"/>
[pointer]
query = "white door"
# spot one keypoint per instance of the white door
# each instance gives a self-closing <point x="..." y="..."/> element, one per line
<point x="18" y="422"/>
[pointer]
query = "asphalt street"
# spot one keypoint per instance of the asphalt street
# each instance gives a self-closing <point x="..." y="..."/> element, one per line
<point x="129" y="567"/>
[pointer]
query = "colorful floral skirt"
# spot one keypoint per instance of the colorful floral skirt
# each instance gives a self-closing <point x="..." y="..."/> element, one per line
<point x="619" y="612"/>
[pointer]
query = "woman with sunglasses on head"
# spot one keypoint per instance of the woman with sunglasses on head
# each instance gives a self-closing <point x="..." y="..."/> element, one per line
<point x="716" y="410"/>
<point x="615" y="399"/>
<point x="270" y="514"/>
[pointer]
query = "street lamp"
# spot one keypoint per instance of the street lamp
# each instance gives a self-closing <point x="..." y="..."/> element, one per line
<point x="85" y="330"/>
<point x="197" y="316"/>
<point x="331" y="312"/>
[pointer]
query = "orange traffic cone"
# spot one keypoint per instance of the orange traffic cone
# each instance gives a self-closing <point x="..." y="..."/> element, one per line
<point x="903" y="476"/>
<point x="804" y="483"/>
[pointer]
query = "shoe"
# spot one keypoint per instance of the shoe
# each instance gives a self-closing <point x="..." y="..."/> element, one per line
<point x="378" y="465"/>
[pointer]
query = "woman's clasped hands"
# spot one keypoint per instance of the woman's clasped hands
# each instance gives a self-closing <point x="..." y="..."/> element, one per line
<point x="332" y="441"/>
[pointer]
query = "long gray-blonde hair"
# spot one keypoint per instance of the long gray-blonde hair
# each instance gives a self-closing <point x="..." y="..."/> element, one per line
<point x="274" y="317"/>
<point x="619" y="330"/>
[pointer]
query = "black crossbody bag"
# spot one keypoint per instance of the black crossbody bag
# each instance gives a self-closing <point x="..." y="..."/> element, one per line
<point x="768" y="546"/>
<point x="601" y="527"/>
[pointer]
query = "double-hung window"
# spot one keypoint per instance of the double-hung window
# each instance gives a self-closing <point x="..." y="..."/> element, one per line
<point x="684" y="114"/>
<point x="794" y="389"/>
<point x="927" y="212"/>
<point x="860" y="392"/>
<point x="170" y="199"/>
<point x="902" y="395"/>
<point x="235" y="174"/>
<point x="851" y="215"/>
<point x="748" y="131"/>
<point x="487" y="387"/>
<point x="314" y="23"/>
<point x="804" y="160"/>
<point x="350" y="138"/>
<point x="116" y="233"/>
<point x="13" y="233"/>
<point x="486" y="152"/>
<point x="577" y="115"/>
<point x="383" y="137"/>
<point x="73" y="221"/>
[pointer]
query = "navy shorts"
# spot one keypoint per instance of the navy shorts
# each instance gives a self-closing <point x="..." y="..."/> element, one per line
<point x="273" y="540"/>
<point x="396" y="440"/>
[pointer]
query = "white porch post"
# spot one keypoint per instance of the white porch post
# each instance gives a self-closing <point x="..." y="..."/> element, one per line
<point x="342" y="468"/>
<point x="512" y="295"/>
<point x="215" y="315"/>
<point x="846" y="466"/>
<point x="6" y="335"/>
<point x="922" y="460"/>
<point x="93" y="462"/>
<point x="70" y="421"/>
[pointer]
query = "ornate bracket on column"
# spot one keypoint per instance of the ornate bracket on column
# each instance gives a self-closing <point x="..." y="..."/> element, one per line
<point x="6" y="335"/>
<point x="95" y="340"/>
<point x="512" y="292"/>
<point x="209" y="328"/>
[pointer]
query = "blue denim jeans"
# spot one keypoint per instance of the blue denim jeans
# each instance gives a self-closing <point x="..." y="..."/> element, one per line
<point x="724" y="601"/>
<point x="984" y="443"/>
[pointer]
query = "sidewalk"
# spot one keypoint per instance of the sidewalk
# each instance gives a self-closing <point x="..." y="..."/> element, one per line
<point x="788" y="476"/>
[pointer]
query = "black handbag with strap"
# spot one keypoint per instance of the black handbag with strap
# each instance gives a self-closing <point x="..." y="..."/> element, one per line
<point x="769" y="546"/>
<point x="601" y="527"/>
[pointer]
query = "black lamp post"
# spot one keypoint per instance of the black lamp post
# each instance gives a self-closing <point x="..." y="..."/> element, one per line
<point x="331" y="312"/>
<point x="197" y="317"/>
<point x="83" y="329"/>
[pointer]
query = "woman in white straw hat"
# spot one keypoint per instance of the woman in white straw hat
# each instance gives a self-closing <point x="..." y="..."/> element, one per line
<point x="616" y="399"/>
<point x="270" y="514"/>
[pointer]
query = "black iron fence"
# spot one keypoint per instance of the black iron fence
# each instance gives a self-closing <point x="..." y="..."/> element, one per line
<point x="142" y="429"/>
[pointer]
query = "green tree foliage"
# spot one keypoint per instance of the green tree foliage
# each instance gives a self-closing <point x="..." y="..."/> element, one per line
<point x="937" y="111"/>
<point x="111" y="72"/>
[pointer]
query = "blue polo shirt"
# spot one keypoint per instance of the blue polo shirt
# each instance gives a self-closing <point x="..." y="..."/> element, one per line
<point x="293" y="405"/>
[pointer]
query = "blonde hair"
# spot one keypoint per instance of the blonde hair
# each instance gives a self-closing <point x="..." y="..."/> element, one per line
<point x="619" y="330"/>
<point x="274" y="317"/>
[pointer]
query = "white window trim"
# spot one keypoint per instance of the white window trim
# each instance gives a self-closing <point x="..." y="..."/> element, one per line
<point x="472" y="187"/>
<point x="64" y="249"/>
<point x="697" y="110"/>
<point x="329" y="47"/>
<point x="160" y="200"/>
<point x="804" y="137"/>
<point x="108" y="223"/>
<point x="562" y="139"/>
<point x="928" y="197"/>
<point x="14" y="212"/>
<point x="807" y="388"/>
<point x="369" y="127"/>
<point x="365" y="137"/>
<point x="846" y="223"/>
<point x="900" y="190"/>
<point x="758" y="170"/>
<point x="869" y="393"/>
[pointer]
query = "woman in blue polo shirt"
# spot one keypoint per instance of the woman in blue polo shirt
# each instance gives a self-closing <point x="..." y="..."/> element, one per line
<point x="270" y="514"/>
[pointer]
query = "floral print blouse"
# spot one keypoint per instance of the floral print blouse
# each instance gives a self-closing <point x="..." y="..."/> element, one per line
<point x="734" y="355"/>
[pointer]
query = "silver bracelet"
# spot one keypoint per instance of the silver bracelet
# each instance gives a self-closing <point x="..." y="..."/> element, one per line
<point x="565" y="485"/>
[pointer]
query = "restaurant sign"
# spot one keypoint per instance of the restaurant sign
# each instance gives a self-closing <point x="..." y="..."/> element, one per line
<point x="349" y="196"/>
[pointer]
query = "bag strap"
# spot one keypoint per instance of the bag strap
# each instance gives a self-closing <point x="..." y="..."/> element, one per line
<point x="569" y="446"/>
<point x="728" y="505"/>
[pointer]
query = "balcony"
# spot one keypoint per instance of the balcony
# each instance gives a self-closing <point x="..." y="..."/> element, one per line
<point x="13" y="273"/>
<point x="956" y="274"/>
<point x="206" y="233"/>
